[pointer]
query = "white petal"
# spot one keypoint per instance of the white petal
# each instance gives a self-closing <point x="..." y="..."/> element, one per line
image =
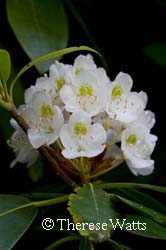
<point x="84" y="63"/>
<point x="70" y="153"/>
<point x="28" y="94"/>
<point x="141" y="166"/>
<point x="49" y="138"/>
<point x="103" y="78"/>
<point x="73" y="153"/>
<point x="91" y="152"/>
<point x="67" y="138"/>
<point x="15" y="125"/>
<point x="147" y="118"/>
<point x="36" y="139"/>
<point x="144" y="97"/>
<point x="30" y="116"/>
<point x="32" y="157"/>
<point x="80" y="116"/>
<point x="44" y="83"/>
<point x="97" y="135"/>
<point x="38" y="99"/>
<point x="125" y="81"/>
<point x="114" y="152"/>
<point x="68" y="96"/>
<point x="59" y="119"/>
<point x="13" y="163"/>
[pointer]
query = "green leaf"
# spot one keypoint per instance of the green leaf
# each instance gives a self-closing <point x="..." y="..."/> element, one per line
<point x="151" y="229"/>
<point x="85" y="244"/>
<point x="6" y="130"/>
<point x="45" y="58"/>
<point x="158" y="217"/>
<point x="157" y="52"/>
<point x="5" y="65"/>
<point x="40" y="26"/>
<point x="143" y="198"/>
<point x="91" y="205"/>
<point x="16" y="217"/>
<point x="118" y="185"/>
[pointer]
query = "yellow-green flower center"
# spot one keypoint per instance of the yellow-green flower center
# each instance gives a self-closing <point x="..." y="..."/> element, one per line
<point x="78" y="70"/>
<point x="46" y="111"/>
<point x="60" y="82"/>
<point x="80" y="128"/>
<point x="86" y="90"/>
<point x="117" y="91"/>
<point x="131" y="139"/>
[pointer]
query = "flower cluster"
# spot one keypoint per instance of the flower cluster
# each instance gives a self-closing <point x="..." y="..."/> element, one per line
<point x="79" y="108"/>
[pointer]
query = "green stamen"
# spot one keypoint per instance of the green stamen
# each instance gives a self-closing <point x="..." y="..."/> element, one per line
<point x="80" y="128"/>
<point x="46" y="111"/>
<point x="78" y="70"/>
<point x="60" y="83"/>
<point x="117" y="91"/>
<point x="86" y="90"/>
<point x="132" y="139"/>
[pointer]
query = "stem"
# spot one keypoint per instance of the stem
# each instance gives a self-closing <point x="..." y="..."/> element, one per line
<point x="116" y="164"/>
<point x="43" y="150"/>
<point x="63" y="161"/>
<point x="59" y="144"/>
<point x="84" y="171"/>
<point x="38" y="204"/>
<point x="103" y="165"/>
<point x="5" y="105"/>
<point x="62" y="241"/>
<point x="50" y="201"/>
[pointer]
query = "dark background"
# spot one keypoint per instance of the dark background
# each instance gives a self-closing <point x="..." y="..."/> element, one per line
<point x="121" y="29"/>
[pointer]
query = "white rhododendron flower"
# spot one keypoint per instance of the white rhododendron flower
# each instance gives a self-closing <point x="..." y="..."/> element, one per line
<point x="88" y="92"/>
<point x="61" y="74"/>
<point x="97" y="114"/>
<point x="83" y="63"/>
<point x="42" y="84"/>
<point x="45" y="120"/>
<point x="80" y="138"/>
<point x="123" y="105"/>
<point x="23" y="149"/>
<point x="137" y="146"/>
<point x="47" y="85"/>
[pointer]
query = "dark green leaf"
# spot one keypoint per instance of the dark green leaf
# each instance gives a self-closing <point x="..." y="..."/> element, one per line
<point x="118" y="185"/>
<point x="158" y="217"/>
<point x="92" y="205"/>
<point x="143" y="198"/>
<point x="6" y="129"/>
<point x="85" y="244"/>
<point x="15" y="218"/>
<point x="157" y="52"/>
<point x="147" y="227"/>
<point x="40" y="26"/>
<point x="5" y="65"/>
